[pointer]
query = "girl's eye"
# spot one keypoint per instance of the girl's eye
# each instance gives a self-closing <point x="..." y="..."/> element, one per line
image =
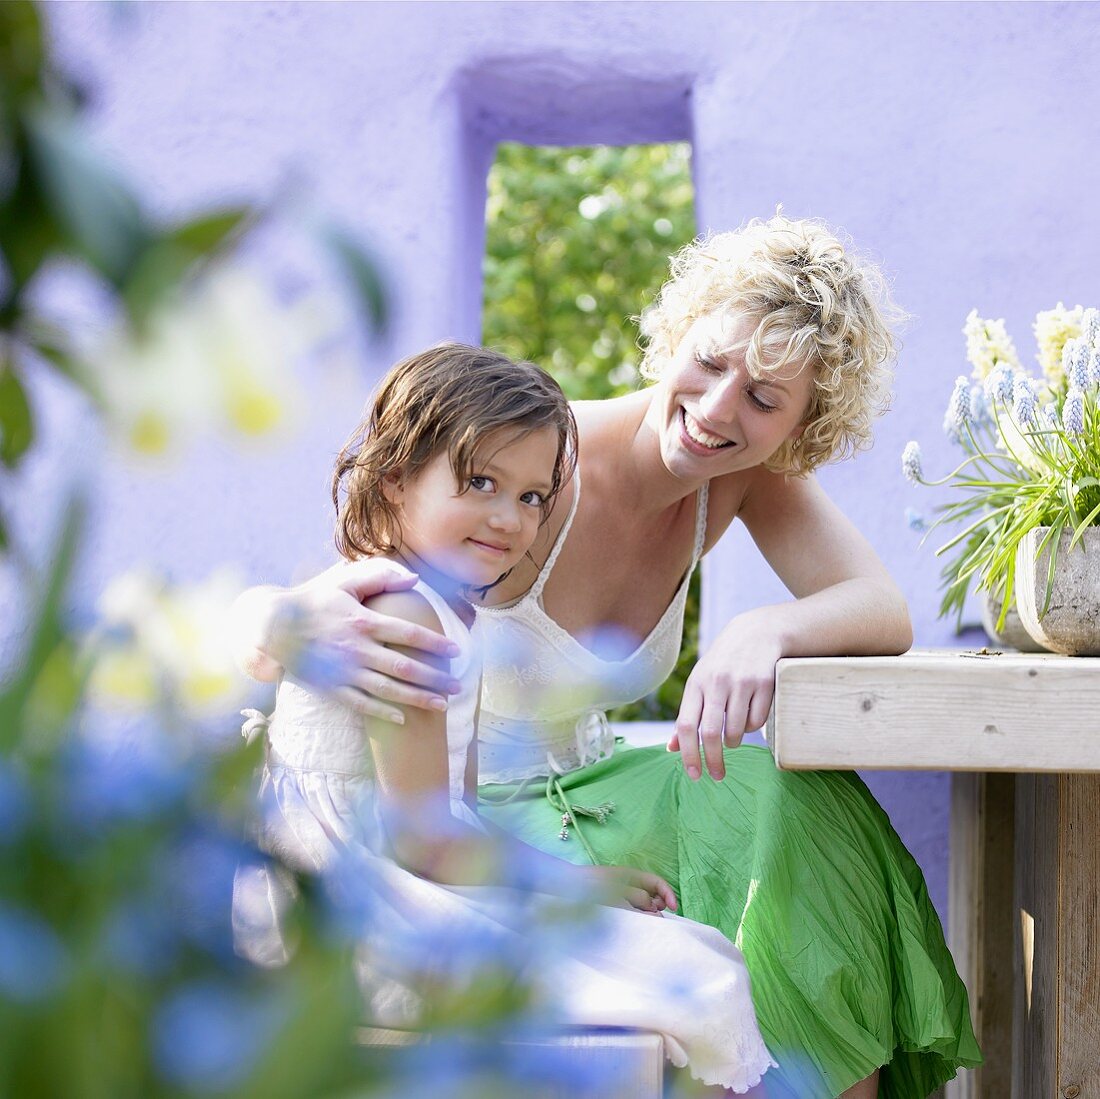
<point x="762" y="405"/>
<point x="535" y="499"/>
<point x="482" y="484"/>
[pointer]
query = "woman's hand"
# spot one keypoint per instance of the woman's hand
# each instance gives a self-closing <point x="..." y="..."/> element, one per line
<point x="328" y="611"/>
<point x="628" y="887"/>
<point x="728" y="693"/>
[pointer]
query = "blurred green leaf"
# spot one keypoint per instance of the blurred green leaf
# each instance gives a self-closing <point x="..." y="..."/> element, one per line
<point x="99" y="214"/>
<point x="16" y="417"/>
<point x="29" y="234"/>
<point x="47" y="630"/>
<point x="205" y="235"/>
<point x="361" y="270"/>
<point x="21" y="54"/>
<point x="171" y="257"/>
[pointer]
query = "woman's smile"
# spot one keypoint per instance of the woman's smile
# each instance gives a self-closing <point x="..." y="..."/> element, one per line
<point x="697" y="438"/>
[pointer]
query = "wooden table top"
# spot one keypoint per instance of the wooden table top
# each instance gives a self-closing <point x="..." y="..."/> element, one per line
<point x="938" y="709"/>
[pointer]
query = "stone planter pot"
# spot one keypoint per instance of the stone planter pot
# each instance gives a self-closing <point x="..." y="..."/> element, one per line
<point x="1014" y="635"/>
<point x="1071" y="624"/>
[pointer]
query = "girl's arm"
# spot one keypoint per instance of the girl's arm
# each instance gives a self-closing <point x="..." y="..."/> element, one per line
<point x="411" y="766"/>
<point x="267" y="621"/>
<point x="845" y="604"/>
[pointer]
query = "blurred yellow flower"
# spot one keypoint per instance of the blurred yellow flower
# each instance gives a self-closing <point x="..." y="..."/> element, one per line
<point x="221" y="353"/>
<point x="1052" y="328"/>
<point x="988" y="345"/>
<point x="153" y="639"/>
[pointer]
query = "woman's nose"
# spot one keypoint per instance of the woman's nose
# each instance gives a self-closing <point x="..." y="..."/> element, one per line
<point x="719" y="402"/>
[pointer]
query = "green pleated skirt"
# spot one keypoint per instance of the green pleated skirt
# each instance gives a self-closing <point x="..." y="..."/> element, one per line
<point x="803" y="871"/>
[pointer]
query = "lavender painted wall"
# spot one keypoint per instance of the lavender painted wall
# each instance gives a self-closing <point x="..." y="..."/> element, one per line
<point x="957" y="142"/>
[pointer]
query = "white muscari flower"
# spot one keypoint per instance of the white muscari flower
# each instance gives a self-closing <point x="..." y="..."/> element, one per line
<point x="1052" y="328"/>
<point x="998" y="385"/>
<point x="1075" y="363"/>
<point x="979" y="406"/>
<point x="1073" y="412"/>
<point x="1090" y="328"/>
<point x="987" y="344"/>
<point x="1025" y="405"/>
<point x="1094" y="366"/>
<point x="911" y="462"/>
<point x="958" y="409"/>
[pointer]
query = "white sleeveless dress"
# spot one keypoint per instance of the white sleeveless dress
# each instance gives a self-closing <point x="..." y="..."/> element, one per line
<point x="662" y="973"/>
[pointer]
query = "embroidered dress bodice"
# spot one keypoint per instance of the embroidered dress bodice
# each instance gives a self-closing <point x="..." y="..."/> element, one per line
<point x="545" y="692"/>
<point x="320" y="740"/>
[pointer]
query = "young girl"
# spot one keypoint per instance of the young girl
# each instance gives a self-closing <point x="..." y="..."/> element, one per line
<point x="451" y="475"/>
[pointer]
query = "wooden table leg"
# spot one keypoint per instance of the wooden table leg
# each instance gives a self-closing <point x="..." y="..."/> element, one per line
<point x="980" y="922"/>
<point x="1057" y="999"/>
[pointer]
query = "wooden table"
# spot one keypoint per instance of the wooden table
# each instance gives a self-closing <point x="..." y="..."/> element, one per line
<point x="1023" y="731"/>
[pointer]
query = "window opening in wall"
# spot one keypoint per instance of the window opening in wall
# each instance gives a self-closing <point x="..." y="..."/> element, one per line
<point x="577" y="244"/>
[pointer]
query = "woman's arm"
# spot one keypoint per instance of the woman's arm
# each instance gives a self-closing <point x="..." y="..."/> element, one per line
<point x="845" y="603"/>
<point x="269" y="623"/>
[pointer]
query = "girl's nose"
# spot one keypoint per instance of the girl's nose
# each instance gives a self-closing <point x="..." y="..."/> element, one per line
<point x="505" y="517"/>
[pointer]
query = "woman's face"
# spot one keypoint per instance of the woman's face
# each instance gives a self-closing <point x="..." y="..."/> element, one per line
<point x="716" y="418"/>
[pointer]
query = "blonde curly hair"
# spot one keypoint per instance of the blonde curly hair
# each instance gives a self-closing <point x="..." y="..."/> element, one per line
<point x="816" y="304"/>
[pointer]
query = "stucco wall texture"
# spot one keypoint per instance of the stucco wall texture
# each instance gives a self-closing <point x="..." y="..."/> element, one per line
<point x="957" y="143"/>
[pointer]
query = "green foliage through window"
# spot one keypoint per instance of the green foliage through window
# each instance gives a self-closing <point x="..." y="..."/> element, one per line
<point x="577" y="245"/>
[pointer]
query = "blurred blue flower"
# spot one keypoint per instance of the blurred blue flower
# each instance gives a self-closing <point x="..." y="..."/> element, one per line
<point x="209" y="1036"/>
<point x="1094" y="367"/>
<point x="322" y="665"/>
<point x="118" y="784"/>
<point x="915" y="519"/>
<point x="139" y="938"/>
<point x="15" y="804"/>
<point x="196" y="877"/>
<point x="33" y="961"/>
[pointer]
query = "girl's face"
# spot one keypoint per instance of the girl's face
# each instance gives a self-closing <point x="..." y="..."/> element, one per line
<point x="716" y="418"/>
<point x="473" y="533"/>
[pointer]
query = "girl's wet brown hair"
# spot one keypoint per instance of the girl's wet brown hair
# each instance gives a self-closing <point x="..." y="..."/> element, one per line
<point x="448" y="399"/>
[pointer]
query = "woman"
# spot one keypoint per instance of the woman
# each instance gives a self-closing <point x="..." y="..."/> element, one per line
<point x="769" y="347"/>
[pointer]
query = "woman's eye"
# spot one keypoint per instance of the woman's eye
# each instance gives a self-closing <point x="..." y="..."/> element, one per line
<point x="481" y="484"/>
<point x="762" y="405"/>
<point x="707" y="364"/>
<point x="535" y="499"/>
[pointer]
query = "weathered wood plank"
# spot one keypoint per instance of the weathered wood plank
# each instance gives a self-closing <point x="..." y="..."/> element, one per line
<point x="938" y="710"/>
<point x="980" y="923"/>
<point x="632" y="1062"/>
<point x="1079" y="946"/>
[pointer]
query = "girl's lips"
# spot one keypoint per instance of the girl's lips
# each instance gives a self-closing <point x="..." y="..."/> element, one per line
<point x="695" y="447"/>
<point x="490" y="547"/>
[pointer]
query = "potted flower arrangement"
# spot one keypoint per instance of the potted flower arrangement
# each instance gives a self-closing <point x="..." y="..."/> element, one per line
<point x="1027" y="491"/>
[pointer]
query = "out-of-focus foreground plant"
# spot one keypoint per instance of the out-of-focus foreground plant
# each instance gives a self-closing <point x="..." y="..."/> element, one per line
<point x="118" y="975"/>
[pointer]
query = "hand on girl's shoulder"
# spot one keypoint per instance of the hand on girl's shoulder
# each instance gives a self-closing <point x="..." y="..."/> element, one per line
<point x="412" y="607"/>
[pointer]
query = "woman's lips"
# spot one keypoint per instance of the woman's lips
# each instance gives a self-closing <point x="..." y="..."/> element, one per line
<point x="693" y="444"/>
